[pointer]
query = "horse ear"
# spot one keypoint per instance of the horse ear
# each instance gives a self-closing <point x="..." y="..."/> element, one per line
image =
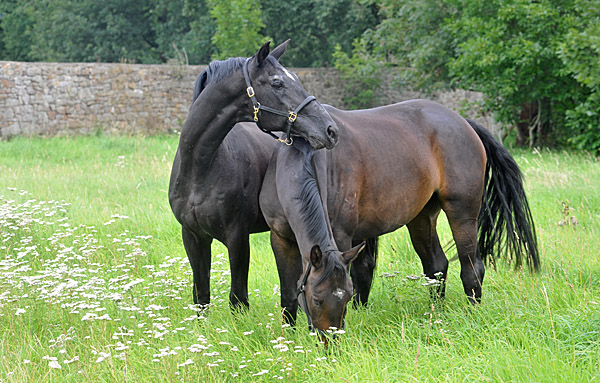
<point x="263" y="52"/>
<point x="200" y="85"/>
<point x="280" y="50"/>
<point x="316" y="256"/>
<point x="350" y="255"/>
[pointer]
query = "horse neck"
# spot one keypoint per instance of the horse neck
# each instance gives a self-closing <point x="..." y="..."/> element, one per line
<point x="204" y="131"/>
<point x="308" y="219"/>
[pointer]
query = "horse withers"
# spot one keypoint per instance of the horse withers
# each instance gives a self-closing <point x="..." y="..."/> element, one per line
<point x="397" y="165"/>
<point x="219" y="166"/>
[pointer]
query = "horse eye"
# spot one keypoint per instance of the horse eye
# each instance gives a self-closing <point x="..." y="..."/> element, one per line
<point x="277" y="84"/>
<point x="317" y="302"/>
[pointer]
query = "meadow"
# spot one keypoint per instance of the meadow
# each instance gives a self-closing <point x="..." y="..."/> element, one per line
<point x="95" y="285"/>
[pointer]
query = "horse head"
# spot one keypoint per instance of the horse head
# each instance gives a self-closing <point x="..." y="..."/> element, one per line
<point x="280" y="103"/>
<point x="326" y="288"/>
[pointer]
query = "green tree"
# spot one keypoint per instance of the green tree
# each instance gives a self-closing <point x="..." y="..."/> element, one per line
<point x="315" y="27"/>
<point x="360" y="75"/>
<point x="535" y="61"/>
<point x="580" y="53"/>
<point x="109" y="31"/>
<point x="238" y="25"/>
<point x="17" y="20"/>
<point x="509" y="51"/>
<point x="414" y="35"/>
<point x="411" y="36"/>
<point x="183" y="27"/>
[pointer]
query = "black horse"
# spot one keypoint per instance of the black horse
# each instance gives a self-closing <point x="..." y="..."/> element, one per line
<point x="219" y="166"/>
<point x="395" y="165"/>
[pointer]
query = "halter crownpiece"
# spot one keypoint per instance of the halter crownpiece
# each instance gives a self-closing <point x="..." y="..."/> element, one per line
<point x="257" y="108"/>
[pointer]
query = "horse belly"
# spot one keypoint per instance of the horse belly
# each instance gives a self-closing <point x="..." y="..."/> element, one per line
<point x="392" y="213"/>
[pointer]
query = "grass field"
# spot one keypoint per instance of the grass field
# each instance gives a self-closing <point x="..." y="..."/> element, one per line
<point x="95" y="285"/>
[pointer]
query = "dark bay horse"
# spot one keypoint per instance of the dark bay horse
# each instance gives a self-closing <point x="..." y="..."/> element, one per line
<point x="395" y="165"/>
<point x="219" y="166"/>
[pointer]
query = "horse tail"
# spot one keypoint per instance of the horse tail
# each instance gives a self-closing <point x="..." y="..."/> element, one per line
<point x="505" y="221"/>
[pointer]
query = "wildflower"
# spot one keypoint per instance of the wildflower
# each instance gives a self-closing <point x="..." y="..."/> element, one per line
<point x="103" y="356"/>
<point x="74" y="359"/>
<point x="189" y="361"/>
<point x="281" y="347"/>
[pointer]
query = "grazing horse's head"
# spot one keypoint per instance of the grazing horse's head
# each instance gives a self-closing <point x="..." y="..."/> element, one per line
<point x="278" y="102"/>
<point x="325" y="289"/>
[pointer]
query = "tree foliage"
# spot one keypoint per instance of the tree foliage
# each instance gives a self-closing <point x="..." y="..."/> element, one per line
<point x="144" y="31"/>
<point x="509" y="51"/>
<point x="316" y="27"/>
<point x="155" y="31"/>
<point x="535" y="61"/>
<point x="17" y="20"/>
<point x="580" y="53"/>
<point x="360" y="75"/>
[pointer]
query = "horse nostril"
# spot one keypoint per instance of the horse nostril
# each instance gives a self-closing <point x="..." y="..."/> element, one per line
<point x="332" y="133"/>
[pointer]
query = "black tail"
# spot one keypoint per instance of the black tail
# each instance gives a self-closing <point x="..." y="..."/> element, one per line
<point x="505" y="221"/>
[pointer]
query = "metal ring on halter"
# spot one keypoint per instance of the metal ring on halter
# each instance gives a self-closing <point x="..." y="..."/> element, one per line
<point x="257" y="108"/>
<point x="288" y="140"/>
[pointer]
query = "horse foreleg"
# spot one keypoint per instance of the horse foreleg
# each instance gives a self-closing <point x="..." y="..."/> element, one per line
<point x="198" y="252"/>
<point x="238" y="247"/>
<point x="423" y="235"/>
<point x="289" y="266"/>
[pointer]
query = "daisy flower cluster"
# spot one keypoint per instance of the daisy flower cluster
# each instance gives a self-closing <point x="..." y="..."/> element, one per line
<point x="124" y="306"/>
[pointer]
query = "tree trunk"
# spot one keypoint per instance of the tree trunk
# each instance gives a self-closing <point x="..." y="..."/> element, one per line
<point x="528" y="126"/>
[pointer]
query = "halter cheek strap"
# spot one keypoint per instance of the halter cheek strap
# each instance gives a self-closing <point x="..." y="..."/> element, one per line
<point x="302" y="292"/>
<point x="257" y="108"/>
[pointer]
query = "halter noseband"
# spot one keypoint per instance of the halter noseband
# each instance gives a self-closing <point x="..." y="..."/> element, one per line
<point x="291" y="116"/>
<point x="304" y="304"/>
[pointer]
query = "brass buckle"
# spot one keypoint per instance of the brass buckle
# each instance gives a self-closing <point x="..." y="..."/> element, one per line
<point x="250" y="91"/>
<point x="256" y="110"/>
<point x="292" y="117"/>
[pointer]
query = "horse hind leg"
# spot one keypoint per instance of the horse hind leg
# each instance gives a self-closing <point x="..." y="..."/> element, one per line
<point x="198" y="253"/>
<point x="462" y="217"/>
<point x="423" y="235"/>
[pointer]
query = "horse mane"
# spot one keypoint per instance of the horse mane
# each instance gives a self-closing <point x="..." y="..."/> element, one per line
<point x="215" y="72"/>
<point x="313" y="213"/>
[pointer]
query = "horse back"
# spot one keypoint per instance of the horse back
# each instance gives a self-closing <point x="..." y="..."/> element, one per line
<point x="391" y="160"/>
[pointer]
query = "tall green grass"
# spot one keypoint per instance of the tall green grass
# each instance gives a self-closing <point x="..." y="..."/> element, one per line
<point x="95" y="285"/>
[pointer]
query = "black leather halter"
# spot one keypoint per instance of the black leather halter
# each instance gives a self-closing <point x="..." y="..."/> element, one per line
<point x="291" y="116"/>
<point x="302" y="291"/>
<point x="304" y="304"/>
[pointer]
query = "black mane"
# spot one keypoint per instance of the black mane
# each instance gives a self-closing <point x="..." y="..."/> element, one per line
<point x="215" y="72"/>
<point x="313" y="213"/>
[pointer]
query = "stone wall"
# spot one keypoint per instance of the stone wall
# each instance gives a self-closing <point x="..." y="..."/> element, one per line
<point x="59" y="98"/>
